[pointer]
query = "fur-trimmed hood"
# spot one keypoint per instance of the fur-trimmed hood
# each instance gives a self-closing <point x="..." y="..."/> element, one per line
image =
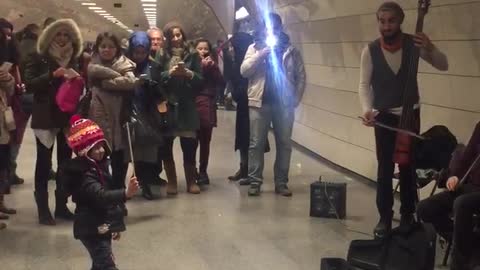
<point x="49" y="33"/>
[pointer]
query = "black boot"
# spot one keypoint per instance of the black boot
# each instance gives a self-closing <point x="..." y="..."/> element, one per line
<point x="236" y="176"/>
<point x="383" y="227"/>
<point x="61" y="209"/>
<point x="146" y="190"/>
<point x="240" y="174"/>
<point x="44" y="214"/>
<point x="203" y="179"/>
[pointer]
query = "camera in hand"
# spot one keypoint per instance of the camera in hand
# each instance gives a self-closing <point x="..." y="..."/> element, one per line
<point x="147" y="82"/>
<point x="181" y="65"/>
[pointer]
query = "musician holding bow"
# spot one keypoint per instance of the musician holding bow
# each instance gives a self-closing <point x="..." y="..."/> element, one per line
<point x="387" y="86"/>
<point x="462" y="198"/>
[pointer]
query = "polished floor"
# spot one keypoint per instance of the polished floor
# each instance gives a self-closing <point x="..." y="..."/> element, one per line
<point x="221" y="229"/>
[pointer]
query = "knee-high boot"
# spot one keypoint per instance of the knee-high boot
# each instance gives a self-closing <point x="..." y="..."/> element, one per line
<point x="170" y="171"/>
<point x="192" y="186"/>
<point x="61" y="209"/>
<point x="44" y="214"/>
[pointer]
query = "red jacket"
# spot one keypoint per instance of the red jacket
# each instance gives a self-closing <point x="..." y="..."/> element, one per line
<point x="206" y="99"/>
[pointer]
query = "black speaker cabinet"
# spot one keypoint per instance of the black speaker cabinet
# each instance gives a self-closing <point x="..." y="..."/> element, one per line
<point x="328" y="200"/>
<point x="334" y="264"/>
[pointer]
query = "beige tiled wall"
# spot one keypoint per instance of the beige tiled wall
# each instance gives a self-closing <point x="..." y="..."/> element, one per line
<point x="331" y="35"/>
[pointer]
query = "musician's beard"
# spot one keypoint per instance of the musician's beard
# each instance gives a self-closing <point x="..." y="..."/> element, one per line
<point x="391" y="39"/>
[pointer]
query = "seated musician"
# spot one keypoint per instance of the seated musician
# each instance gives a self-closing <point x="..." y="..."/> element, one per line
<point x="463" y="200"/>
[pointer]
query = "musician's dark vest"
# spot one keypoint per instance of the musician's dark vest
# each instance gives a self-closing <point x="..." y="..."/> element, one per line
<point x="388" y="87"/>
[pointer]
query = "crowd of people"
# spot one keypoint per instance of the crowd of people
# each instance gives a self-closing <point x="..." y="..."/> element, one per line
<point x="112" y="102"/>
<point x="116" y="101"/>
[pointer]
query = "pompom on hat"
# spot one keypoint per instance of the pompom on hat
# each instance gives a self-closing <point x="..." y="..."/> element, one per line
<point x="84" y="135"/>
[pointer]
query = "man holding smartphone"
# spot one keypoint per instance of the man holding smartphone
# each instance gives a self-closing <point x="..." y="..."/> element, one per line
<point x="276" y="84"/>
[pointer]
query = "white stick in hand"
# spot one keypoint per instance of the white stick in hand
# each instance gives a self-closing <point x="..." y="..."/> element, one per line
<point x="131" y="148"/>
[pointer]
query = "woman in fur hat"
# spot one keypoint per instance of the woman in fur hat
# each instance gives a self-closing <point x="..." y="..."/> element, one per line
<point x="112" y="81"/>
<point x="58" y="49"/>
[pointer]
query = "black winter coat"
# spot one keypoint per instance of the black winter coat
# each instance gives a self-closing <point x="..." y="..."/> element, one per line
<point x="89" y="183"/>
<point x="39" y="79"/>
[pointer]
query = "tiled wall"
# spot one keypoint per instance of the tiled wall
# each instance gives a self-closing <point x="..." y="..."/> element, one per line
<point x="331" y="35"/>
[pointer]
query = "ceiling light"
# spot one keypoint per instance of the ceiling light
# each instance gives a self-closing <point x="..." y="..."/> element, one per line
<point x="88" y="4"/>
<point x="150" y="1"/>
<point x="149" y="9"/>
<point x="94" y="8"/>
<point x="149" y="5"/>
<point x="242" y="13"/>
<point x="100" y="11"/>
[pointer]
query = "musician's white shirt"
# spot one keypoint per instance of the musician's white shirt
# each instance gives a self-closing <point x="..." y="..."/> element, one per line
<point x="435" y="57"/>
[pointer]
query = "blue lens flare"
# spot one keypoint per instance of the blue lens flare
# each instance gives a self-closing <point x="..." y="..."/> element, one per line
<point x="275" y="58"/>
<point x="271" y="40"/>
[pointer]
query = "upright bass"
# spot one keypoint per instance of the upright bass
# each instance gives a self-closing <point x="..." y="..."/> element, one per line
<point x="409" y="120"/>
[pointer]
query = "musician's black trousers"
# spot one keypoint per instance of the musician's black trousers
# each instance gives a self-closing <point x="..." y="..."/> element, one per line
<point x="464" y="203"/>
<point x="385" y="145"/>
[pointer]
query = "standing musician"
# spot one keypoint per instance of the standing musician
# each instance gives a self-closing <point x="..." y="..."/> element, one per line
<point x="384" y="70"/>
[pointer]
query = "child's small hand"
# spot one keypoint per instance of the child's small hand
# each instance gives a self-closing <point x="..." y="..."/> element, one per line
<point x="116" y="236"/>
<point x="132" y="187"/>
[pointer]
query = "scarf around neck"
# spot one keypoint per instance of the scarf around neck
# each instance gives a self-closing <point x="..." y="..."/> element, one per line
<point x="62" y="55"/>
<point x="177" y="56"/>
<point x="394" y="46"/>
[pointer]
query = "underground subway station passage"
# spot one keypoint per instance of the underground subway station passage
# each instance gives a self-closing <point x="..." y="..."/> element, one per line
<point x="239" y="134"/>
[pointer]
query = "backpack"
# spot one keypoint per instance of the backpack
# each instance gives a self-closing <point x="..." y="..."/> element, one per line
<point x="411" y="250"/>
<point x="436" y="151"/>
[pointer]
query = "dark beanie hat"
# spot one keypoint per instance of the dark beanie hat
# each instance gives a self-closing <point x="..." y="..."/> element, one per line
<point x="394" y="7"/>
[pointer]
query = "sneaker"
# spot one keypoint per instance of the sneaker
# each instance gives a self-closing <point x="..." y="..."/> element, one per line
<point x="244" y="182"/>
<point x="254" y="189"/>
<point x="283" y="190"/>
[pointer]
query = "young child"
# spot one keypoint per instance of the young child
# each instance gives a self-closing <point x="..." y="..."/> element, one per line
<point x="98" y="215"/>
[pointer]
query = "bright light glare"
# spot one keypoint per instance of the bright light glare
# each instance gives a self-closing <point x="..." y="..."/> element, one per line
<point x="242" y="13"/>
<point x="271" y="40"/>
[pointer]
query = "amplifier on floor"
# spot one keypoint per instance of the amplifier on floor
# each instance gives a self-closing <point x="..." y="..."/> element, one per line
<point x="334" y="264"/>
<point x="328" y="200"/>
